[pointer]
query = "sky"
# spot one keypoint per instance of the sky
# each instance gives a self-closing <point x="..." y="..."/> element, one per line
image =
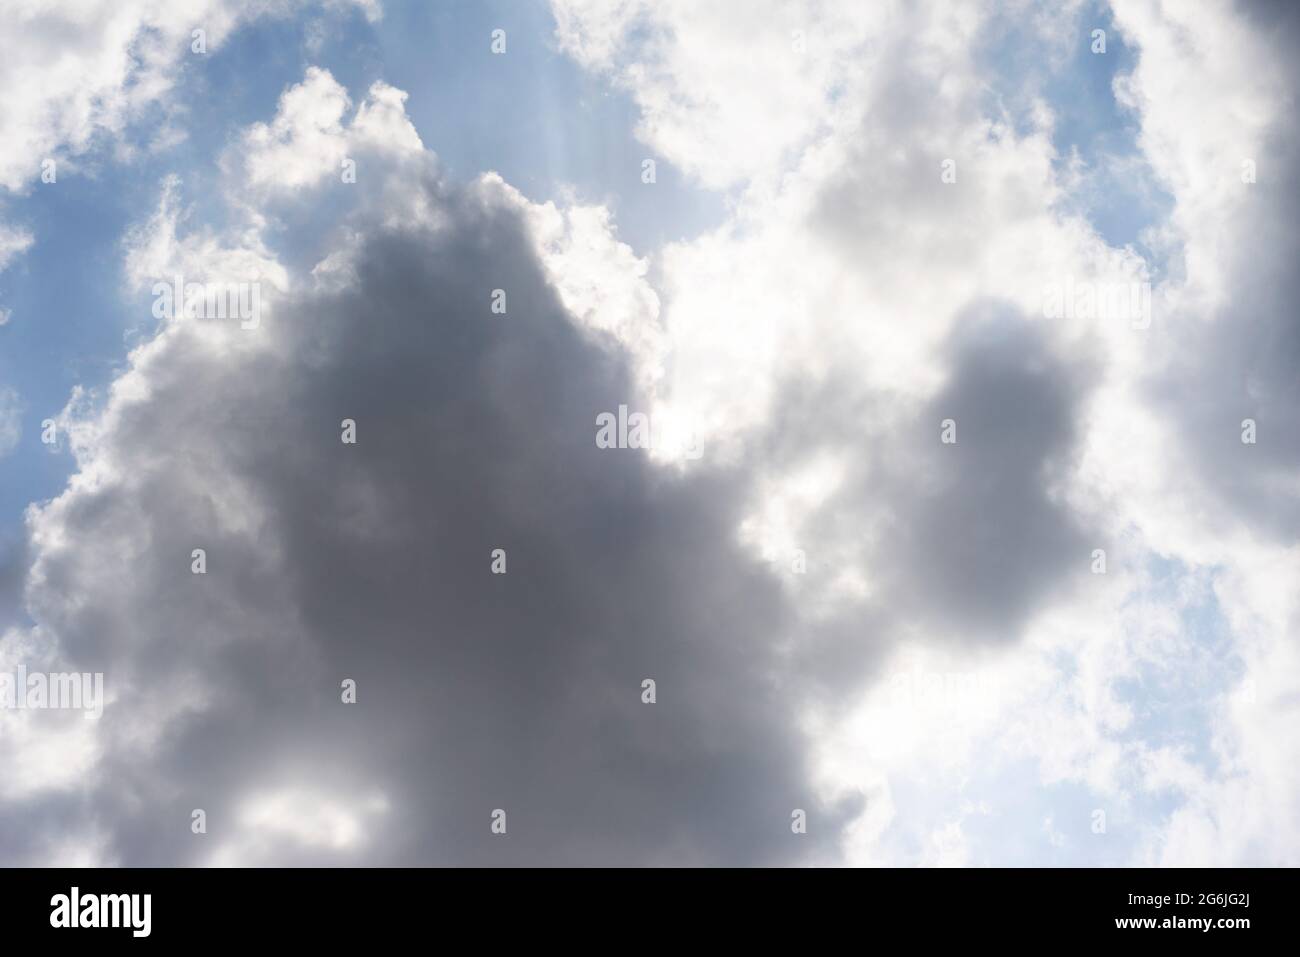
<point x="768" y="433"/>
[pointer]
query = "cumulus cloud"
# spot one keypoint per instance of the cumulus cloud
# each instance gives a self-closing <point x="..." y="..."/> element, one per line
<point x="372" y="562"/>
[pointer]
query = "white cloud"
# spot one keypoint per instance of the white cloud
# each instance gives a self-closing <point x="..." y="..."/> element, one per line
<point x="78" y="70"/>
<point x="14" y="241"/>
<point x="733" y="94"/>
<point x="296" y="816"/>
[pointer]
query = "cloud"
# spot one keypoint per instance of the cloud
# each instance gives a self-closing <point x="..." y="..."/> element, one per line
<point x="308" y="142"/>
<point x="1228" y="355"/>
<point x="1238" y="339"/>
<point x="744" y="92"/>
<point x="79" y="71"/>
<point x="329" y="561"/>
<point x="14" y="241"/>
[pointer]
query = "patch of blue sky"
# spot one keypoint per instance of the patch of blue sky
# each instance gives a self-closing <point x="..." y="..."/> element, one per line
<point x="1173" y="704"/>
<point x="1093" y="134"/>
<point x="1010" y="817"/>
<point x="549" y="127"/>
<point x="1006" y="816"/>
<point x="1174" y="700"/>
<point x="69" y="317"/>
<point x="1023" y="822"/>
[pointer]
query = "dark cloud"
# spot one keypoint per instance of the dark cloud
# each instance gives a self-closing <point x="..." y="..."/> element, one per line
<point x="981" y="534"/>
<point x="959" y="543"/>
<point x="372" y="562"/>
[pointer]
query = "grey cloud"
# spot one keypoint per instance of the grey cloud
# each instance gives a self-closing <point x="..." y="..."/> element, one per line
<point x="983" y="539"/>
<point x="371" y="562"/>
<point x="1245" y="361"/>
<point x="960" y="543"/>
